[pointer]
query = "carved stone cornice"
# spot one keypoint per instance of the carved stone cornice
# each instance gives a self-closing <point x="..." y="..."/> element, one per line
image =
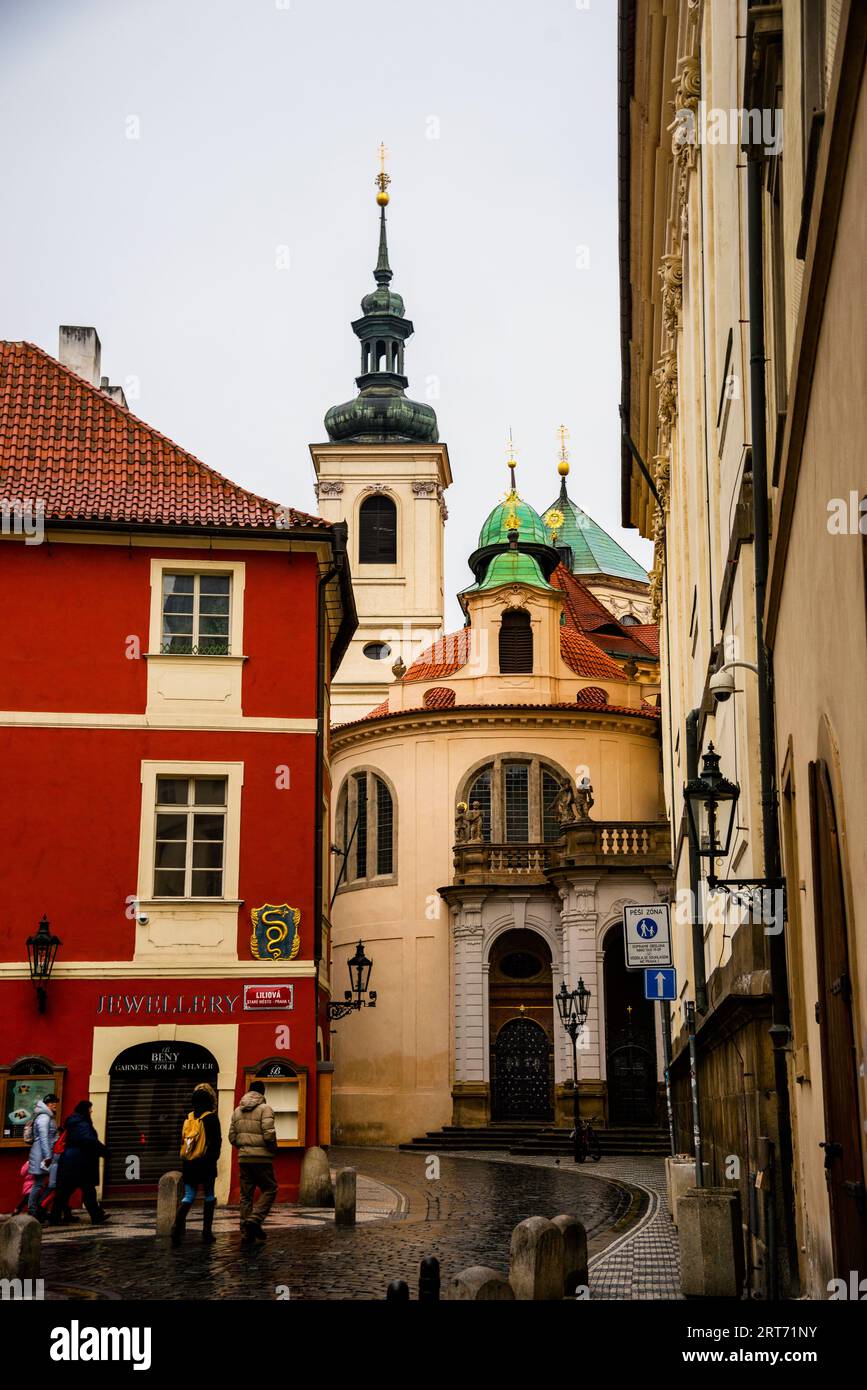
<point x="423" y="488"/>
<point x="665" y="380"/>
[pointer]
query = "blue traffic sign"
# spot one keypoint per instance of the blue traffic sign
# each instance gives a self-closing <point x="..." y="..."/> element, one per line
<point x="660" y="983"/>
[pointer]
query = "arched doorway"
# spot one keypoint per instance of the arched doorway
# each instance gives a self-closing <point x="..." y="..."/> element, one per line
<point x="521" y="1028"/>
<point x="630" y="1039"/>
<point x="150" y="1086"/>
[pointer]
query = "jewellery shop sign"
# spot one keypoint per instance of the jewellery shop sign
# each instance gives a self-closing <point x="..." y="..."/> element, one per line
<point x="250" y="999"/>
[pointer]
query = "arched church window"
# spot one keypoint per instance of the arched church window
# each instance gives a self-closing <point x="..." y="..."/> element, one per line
<point x="377" y="531"/>
<point x="365" y="830"/>
<point x="517" y="797"/>
<point x="516" y="642"/>
<point x="628" y="620"/>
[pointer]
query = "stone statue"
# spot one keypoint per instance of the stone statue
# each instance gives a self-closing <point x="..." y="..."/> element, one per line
<point x="573" y="806"/>
<point x="461" y="829"/>
<point x="475" y="824"/>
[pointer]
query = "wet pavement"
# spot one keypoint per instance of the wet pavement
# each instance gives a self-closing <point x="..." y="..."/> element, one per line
<point x="463" y="1217"/>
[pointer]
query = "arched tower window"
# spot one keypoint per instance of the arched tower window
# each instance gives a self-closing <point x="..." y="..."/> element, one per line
<point x="517" y="796"/>
<point x="377" y="533"/>
<point x="516" y="642"/>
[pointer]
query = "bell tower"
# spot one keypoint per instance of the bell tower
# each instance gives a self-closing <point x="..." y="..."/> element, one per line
<point x="384" y="472"/>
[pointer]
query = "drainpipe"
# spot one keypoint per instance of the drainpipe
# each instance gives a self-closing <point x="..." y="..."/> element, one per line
<point x="780" y="1014"/>
<point x="698" y="965"/>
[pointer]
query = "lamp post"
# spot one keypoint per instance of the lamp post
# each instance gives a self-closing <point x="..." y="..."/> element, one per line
<point x="711" y="802"/>
<point x="41" y="954"/>
<point x="360" y="967"/>
<point x="572" y="1006"/>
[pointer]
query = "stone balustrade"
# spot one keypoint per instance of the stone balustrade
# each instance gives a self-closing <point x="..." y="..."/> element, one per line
<point x="604" y="844"/>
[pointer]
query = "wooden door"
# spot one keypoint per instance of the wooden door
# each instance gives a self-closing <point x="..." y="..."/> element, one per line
<point x="844" y="1167"/>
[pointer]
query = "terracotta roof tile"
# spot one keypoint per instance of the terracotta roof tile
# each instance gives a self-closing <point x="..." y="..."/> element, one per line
<point x="67" y="445"/>
<point x="649" y="635"/>
<point x="585" y="612"/>
<point x="447" y="655"/>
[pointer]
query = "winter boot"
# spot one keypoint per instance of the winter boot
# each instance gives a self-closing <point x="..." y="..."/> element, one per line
<point x="207" y="1222"/>
<point x="180" y="1225"/>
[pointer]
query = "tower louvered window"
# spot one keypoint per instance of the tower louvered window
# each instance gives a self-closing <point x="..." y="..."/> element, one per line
<point x="377" y="535"/>
<point x="516" y="642"/>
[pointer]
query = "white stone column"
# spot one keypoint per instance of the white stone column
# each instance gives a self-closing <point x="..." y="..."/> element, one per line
<point x="579" y="917"/>
<point x="470" y="990"/>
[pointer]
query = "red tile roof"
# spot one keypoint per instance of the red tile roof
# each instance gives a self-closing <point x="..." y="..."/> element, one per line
<point x="649" y="635"/>
<point x="85" y="458"/>
<point x="585" y="612"/>
<point x="585" y="658"/>
<point x="447" y="655"/>
<point x="642" y="711"/>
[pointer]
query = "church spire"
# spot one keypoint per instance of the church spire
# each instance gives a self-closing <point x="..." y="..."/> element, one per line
<point x="381" y="412"/>
<point x="563" y="461"/>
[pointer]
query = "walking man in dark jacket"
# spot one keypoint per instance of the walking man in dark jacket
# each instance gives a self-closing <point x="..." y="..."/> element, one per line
<point x="79" y="1166"/>
<point x="253" y="1133"/>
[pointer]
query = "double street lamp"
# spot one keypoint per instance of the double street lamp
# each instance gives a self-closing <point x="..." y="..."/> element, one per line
<point x="572" y="1006"/>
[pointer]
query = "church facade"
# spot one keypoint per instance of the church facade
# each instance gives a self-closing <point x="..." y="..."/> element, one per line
<point x="497" y="789"/>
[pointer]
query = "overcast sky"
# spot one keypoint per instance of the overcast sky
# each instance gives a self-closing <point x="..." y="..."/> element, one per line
<point x="163" y="160"/>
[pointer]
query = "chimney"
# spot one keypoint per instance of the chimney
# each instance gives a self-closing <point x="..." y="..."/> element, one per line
<point x="80" y="350"/>
<point x="116" y="393"/>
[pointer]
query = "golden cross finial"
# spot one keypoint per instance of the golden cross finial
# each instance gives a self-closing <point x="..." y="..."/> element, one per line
<point x="563" y="461"/>
<point x="511" y="457"/>
<point x="382" y="178"/>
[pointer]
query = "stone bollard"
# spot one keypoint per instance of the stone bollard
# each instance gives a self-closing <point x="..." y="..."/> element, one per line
<point x="316" y="1189"/>
<point x="20" y="1247"/>
<point x="711" y="1244"/>
<point x="480" y="1284"/>
<point x="536" y="1260"/>
<point x="168" y="1201"/>
<point x="681" y="1177"/>
<point x="344" y="1197"/>
<point x="397" y="1291"/>
<point x="574" y="1253"/>
<point x="429" y="1280"/>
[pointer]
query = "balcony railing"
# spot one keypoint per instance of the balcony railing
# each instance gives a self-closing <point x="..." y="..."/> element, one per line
<point x="586" y="844"/>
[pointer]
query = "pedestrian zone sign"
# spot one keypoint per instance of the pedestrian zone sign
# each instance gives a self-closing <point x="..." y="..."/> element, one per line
<point x="660" y="983"/>
<point x="647" y="931"/>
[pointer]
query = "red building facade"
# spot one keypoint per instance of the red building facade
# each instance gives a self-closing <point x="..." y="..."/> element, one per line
<point x="169" y="638"/>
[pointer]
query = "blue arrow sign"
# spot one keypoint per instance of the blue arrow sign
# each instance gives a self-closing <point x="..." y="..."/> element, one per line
<point x="660" y="983"/>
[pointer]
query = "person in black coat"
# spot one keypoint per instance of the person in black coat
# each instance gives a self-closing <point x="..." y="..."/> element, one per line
<point x="201" y="1171"/>
<point x="79" y="1167"/>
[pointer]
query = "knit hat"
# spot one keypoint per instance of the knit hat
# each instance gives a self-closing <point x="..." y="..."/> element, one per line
<point x="258" y="1087"/>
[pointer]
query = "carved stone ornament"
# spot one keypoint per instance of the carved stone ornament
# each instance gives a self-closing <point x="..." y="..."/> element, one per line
<point x="685" y="135"/>
<point x="377" y="487"/>
<point x="662" y="477"/>
<point x="665" y="380"/>
<point x="671" y="275"/>
<point x="424" y="489"/>
<point x="327" y="488"/>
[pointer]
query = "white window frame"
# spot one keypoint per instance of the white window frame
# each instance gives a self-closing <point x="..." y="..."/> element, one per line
<point x="195" y="637"/>
<point x="150" y="772"/>
<point x="189" y="810"/>
<point x="235" y="569"/>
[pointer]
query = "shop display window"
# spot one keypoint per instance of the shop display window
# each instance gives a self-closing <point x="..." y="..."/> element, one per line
<point x="23" y="1084"/>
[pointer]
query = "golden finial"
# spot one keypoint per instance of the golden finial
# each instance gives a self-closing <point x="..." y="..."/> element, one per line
<point x="563" y="461"/>
<point x="382" y="178"/>
<point x="510" y="454"/>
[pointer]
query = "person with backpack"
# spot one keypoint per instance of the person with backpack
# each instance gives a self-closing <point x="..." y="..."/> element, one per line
<point x="201" y="1142"/>
<point x="253" y="1133"/>
<point x="79" y="1167"/>
<point x="41" y="1131"/>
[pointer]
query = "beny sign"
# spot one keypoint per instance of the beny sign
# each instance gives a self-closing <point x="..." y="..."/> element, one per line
<point x="647" y="930"/>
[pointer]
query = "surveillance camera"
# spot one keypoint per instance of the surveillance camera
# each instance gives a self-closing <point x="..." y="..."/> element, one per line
<point x="142" y="918"/>
<point x="722" y="685"/>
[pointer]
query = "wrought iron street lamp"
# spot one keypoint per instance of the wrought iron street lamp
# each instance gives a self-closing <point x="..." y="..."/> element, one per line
<point x="572" y="1006"/>
<point x="41" y="954"/>
<point x="360" y="967"/>
<point x="711" y="803"/>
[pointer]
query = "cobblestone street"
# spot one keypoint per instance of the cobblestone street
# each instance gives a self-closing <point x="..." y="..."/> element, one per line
<point x="465" y="1217"/>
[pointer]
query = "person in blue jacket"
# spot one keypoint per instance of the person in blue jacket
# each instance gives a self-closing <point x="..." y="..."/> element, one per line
<point x="41" y="1151"/>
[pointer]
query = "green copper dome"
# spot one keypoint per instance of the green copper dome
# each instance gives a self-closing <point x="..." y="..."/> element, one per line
<point x="501" y="521"/>
<point x="593" y="550"/>
<point x="511" y="567"/>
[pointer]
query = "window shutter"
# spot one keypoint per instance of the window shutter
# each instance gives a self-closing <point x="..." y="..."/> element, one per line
<point x="377" y="537"/>
<point x="516" y="642"/>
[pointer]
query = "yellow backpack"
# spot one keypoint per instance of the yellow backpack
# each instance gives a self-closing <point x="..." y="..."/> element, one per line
<point x="193" y="1138"/>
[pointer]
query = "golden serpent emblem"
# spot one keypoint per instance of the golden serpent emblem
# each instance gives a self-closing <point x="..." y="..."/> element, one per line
<point x="271" y="924"/>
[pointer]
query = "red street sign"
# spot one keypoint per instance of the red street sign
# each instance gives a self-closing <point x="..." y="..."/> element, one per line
<point x="269" y="997"/>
